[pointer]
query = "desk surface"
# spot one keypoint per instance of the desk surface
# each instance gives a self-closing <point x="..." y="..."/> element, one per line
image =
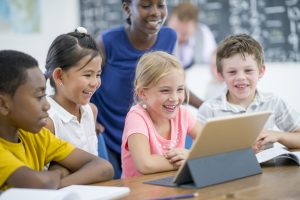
<point x="279" y="180"/>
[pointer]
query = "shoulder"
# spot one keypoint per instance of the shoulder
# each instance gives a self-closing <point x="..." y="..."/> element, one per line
<point x="93" y="108"/>
<point x="269" y="98"/>
<point x="167" y="31"/>
<point x="42" y="137"/>
<point x="136" y="111"/>
<point x="204" y="28"/>
<point x="209" y="108"/>
<point x="113" y="32"/>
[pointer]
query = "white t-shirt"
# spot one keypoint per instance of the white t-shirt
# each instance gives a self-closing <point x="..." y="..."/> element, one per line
<point x="81" y="134"/>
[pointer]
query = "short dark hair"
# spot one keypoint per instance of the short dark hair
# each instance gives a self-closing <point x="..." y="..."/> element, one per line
<point x="67" y="50"/>
<point x="13" y="67"/>
<point x="239" y="44"/>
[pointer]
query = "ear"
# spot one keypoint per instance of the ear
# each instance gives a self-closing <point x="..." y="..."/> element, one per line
<point x="141" y="94"/>
<point x="4" y="104"/>
<point x="57" y="76"/>
<point x="126" y="9"/>
<point x="262" y="71"/>
<point x="219" y="76"/>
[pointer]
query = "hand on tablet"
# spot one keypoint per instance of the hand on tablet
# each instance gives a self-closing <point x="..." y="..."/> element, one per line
<point x="176" y="156"/>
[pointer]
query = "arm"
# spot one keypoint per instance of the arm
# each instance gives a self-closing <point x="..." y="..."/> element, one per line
<point x="290" y="140"/>
<point x="177" y="156"/>
<point x="99" y="127"/>
<point x="145" y="162"/>
<point x="194" y="100"/>
<point x="85" y="168"/>
<point x="25" y="177"/>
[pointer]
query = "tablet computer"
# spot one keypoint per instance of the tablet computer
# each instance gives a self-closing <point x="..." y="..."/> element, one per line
<point x="221" y="135"/>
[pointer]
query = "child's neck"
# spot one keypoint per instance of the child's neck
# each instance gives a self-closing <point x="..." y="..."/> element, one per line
<point x="240" y="102"/>
<point x="69" y="106"/>
<point x="9" y="133"/>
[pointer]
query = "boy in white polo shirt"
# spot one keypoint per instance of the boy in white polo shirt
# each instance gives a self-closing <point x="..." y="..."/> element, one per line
<point x="240" y="63"/>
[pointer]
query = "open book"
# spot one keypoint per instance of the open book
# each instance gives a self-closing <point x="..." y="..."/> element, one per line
<point x="276" y="152"/>
<point x="73" y="192"/>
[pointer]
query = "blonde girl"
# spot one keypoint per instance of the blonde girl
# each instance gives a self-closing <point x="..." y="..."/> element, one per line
<point x="157" y="125"/>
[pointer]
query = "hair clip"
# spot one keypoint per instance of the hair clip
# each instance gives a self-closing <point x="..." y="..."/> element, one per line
<point x="81" y="30"/>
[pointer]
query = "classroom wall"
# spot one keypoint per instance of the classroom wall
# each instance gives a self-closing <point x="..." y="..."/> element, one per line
<point x="63" y="16"/>
<point x="57" y="17"/>
<point x="282" y="79"/>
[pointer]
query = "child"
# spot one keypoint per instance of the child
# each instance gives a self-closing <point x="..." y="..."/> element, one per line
<point x="73" y="66"/>
<point x="240" y="62"/>
<point x="25" y="146"/>
<point x="156" y="127"/>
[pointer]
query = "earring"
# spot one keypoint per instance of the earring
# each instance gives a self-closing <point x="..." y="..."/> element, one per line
<point x="144" y="105"/>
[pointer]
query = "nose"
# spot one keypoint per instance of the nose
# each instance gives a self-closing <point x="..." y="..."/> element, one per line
<point x="46" y="105"/>
<point x="240" y="75"/>
<point x="95" y="82"/>
<point x="173" y="97"/>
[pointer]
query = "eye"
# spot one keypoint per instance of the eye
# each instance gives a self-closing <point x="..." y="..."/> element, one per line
<point x="145" y="5"/>
<point x="41" y="97"/>
<point x="162" y="5"/>
<point x="87" y="75"/>
<point x="164" y="91"/>
<point x="249" y="70"/>
<point x="180" y="90"/>
<point x="231" y="72"/>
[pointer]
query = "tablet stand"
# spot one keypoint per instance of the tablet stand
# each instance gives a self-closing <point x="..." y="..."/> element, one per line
<point x="213" y="169"/>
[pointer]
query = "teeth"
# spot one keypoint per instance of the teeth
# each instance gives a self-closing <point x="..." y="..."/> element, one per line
<point x="170" y="107"/>
<point x="154" y="23"/>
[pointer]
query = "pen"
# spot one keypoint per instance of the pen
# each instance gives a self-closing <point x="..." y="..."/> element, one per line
<point x="180" y="196"/>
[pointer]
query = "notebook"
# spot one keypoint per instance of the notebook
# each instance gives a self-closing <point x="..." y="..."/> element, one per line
<point x="73" y="192"/>
<point x="218" y="136"/>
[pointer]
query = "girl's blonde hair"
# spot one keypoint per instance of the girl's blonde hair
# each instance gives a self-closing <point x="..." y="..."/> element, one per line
<point x="152" y="67"/>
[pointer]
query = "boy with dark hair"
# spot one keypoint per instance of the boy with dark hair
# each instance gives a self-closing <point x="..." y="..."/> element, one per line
<point x="25" y="146"/>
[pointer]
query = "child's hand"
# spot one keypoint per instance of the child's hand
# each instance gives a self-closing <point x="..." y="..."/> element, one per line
<point x="55" y="166"/>
<point x="265" y="139"/>
<point x="99" y="128"/>
<point x="176" y="156"/>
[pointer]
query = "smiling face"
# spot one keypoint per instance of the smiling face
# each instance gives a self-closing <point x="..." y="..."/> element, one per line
<point x="28" y="107"/>
<point x="146" y="16"/>
<point x="77" y="84"/>
<point x="164" y="98"/>
<point x="241" y="75"/>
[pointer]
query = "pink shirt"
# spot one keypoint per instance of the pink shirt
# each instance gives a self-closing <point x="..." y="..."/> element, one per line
<point x="138" y="121"/>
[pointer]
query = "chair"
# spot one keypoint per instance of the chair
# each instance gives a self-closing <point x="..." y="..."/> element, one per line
<point x="102" y="151"/>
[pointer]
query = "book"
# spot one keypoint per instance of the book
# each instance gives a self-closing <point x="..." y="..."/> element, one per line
<point x="276" y="152"/>
<point x="73" y="192"/>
